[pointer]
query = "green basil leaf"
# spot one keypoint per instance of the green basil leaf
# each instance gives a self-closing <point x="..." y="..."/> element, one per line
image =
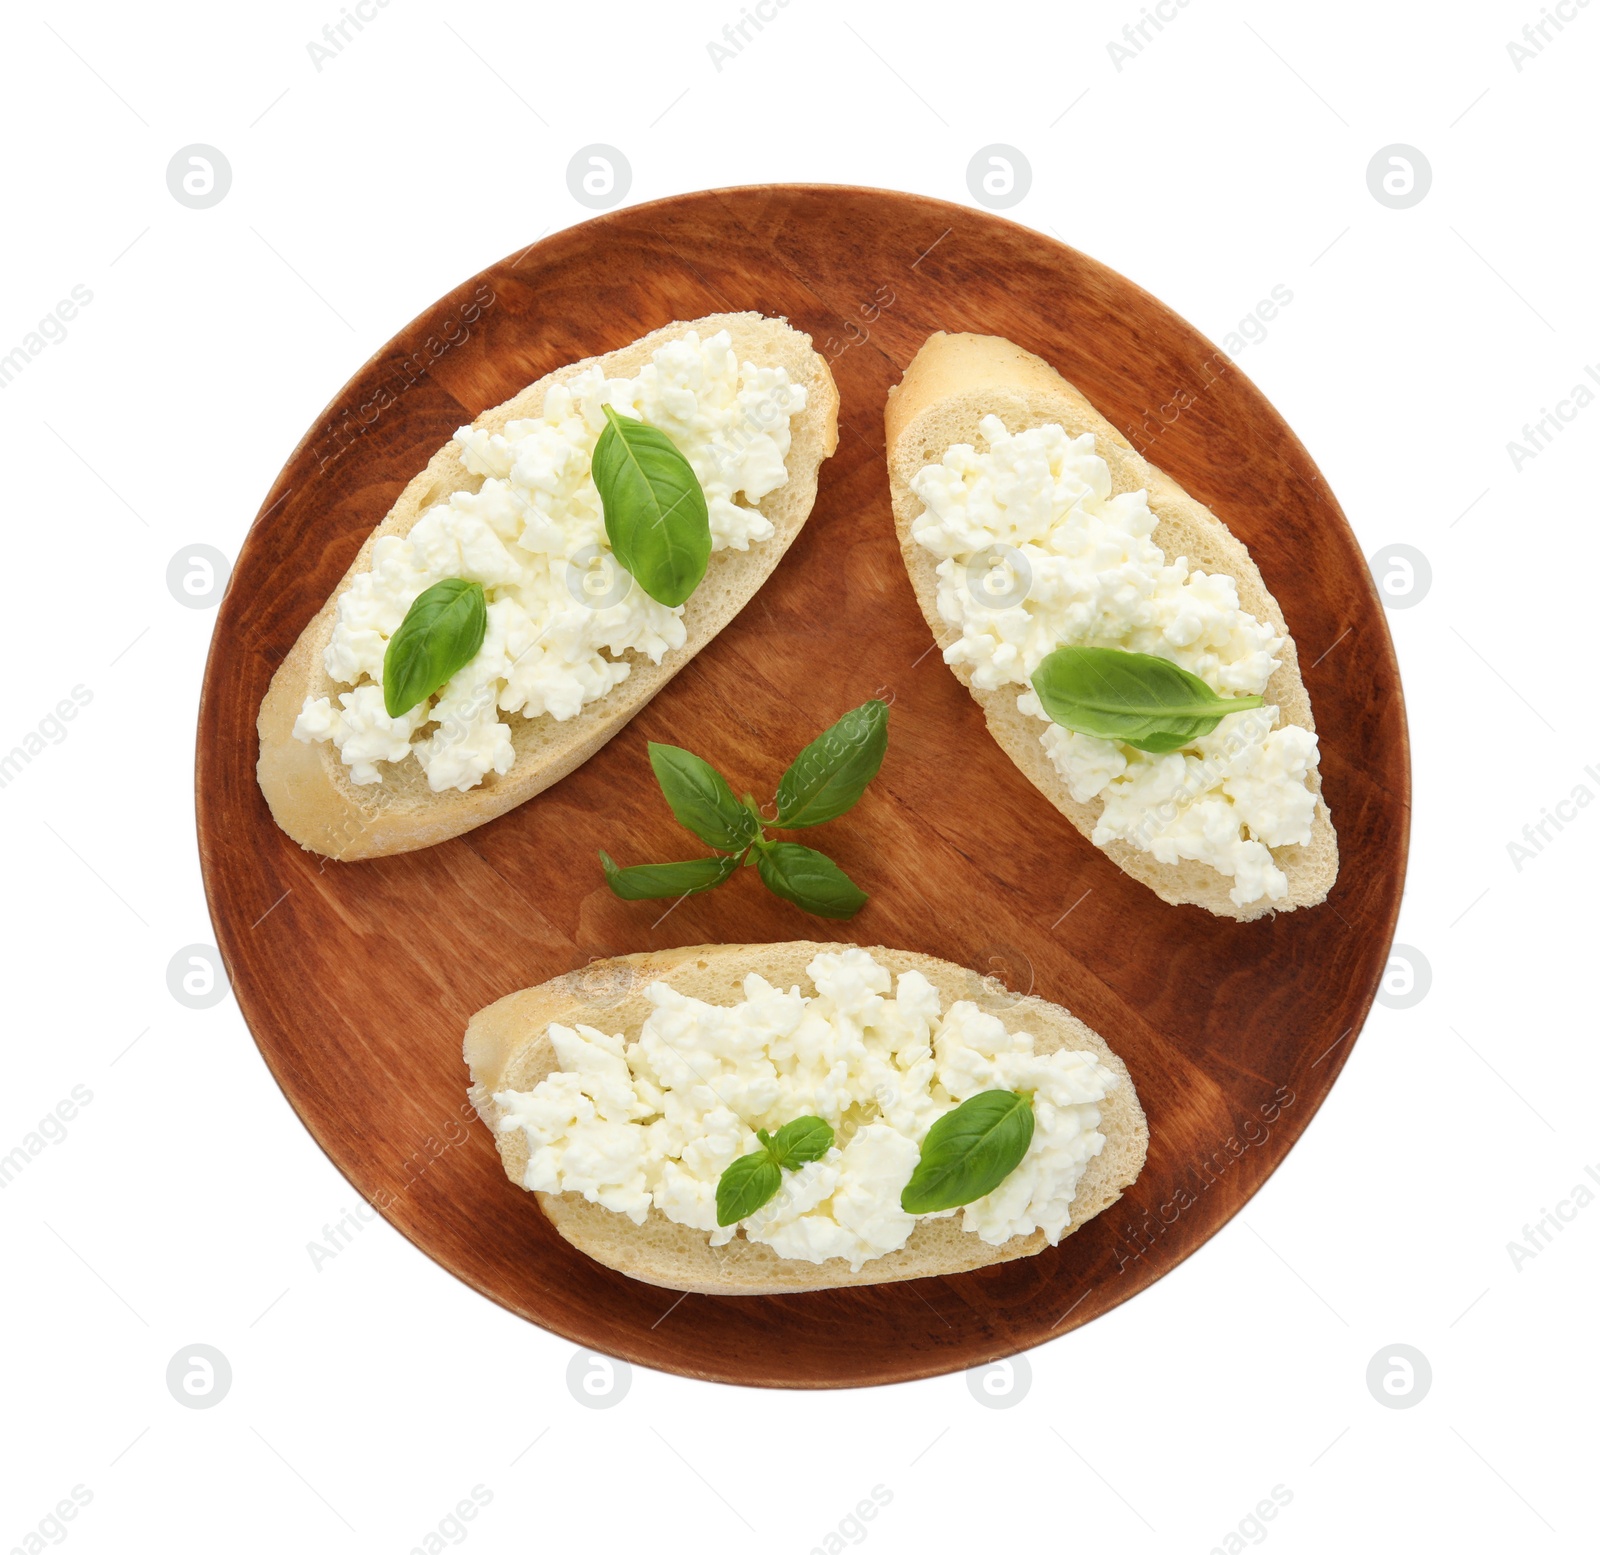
<point x="746" y="1185"/>
<point x="833" y="771"/>
<point x="970" y="1152"/>
<point x="809" y="879"/>
<point x="1138" y="698"/>
<point x="656" y="518"/>
<point x="805" y="1139"/>
<point x="644" y="882"/>
<point x="442" y="632"/>
<point x="701" y="799"/>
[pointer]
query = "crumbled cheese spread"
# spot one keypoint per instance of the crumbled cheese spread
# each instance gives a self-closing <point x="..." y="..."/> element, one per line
<point x="561" y="611"/>
<point x="1036" y="554"/>
<point x="655" y="1122"/>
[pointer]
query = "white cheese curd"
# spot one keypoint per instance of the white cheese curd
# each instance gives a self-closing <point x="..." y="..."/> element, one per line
<point x="1036" y="554"/>
<point x="533" y="535"/>
<point x="654" y="1123"/>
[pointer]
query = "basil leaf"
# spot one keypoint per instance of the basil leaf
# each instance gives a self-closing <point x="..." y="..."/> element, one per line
<point x="701" y="799"/>
<point x="656" y="518"/>
<point x="643" y="882"/>
<point x="442" y="632"/>
<point x="805" y="1139"/>
<point x="746" y="1185"/>
<point x="970" y="1152"/>
<point x="809" y="879"/>
<point x="833" y="771"/>
<point x="1143" y="700"/>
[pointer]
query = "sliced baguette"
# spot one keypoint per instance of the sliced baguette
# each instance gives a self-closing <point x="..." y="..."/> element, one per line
<point x="506" y="1048"/>
<point x="308" y="787"/>
<point x="953" y="382"/>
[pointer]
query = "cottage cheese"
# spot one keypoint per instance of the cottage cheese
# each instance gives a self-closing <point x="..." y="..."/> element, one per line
<point x="1036" y="553"/>
<point x="534" y="535"/>
<point x="654" y="1123"/>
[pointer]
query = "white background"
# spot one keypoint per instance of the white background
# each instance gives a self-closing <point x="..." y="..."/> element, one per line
<point x="1229" y="156"/>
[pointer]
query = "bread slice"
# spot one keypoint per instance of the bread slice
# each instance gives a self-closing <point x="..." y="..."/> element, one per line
<point x="953" y="382"/>
<point x="307" y="785"/>
<point x="506" y="1049"/>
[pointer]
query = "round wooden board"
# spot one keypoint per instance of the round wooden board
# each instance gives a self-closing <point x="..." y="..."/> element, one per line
<point x="357" y="980"/>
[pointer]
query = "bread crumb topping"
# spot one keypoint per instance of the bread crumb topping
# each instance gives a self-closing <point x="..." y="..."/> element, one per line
<point x="1036" y="553"/>
<point x="561" y="609"/>
<point x="655" y="1122"/>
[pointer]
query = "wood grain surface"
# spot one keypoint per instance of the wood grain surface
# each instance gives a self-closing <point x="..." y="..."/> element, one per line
<point x="358" y="985"/>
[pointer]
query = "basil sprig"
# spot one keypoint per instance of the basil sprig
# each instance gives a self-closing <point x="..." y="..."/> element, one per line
<point x="753" y="1179"/>
<point x="970" y="1152"/>
<point x="1138" y="698"/>
<point x="442" y="632"/>
<point x="656" y="518"/>
<point x="822" y="782"/>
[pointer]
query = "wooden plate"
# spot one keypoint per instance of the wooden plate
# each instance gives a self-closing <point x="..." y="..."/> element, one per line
<point x="357" y="980"/>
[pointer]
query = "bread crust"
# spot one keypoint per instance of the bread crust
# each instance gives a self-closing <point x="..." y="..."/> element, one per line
<point x="506" y="1049"/>
<point x="308" y="787"/>
<point x="951" y="384"/>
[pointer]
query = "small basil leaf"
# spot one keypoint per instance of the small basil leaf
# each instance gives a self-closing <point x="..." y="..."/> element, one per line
<point x="811" y="880"/>
<point x="805" y="1139"/>
<point x="833" y="771"/>
<point x="701" y="799"/>
<point x="442" y="632"/>
<point x="746" y="1185"/>
<point x="1138" y="698"/>
<point x="970" y="1152"/>
<point x="644" y="882"/>
<point x="656" y="518"/>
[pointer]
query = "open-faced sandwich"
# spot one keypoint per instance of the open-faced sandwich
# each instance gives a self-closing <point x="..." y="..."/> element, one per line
<point x="754" y="1119"/>
<point x="1121" y="642"/>
<point x="556" y="563"/>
